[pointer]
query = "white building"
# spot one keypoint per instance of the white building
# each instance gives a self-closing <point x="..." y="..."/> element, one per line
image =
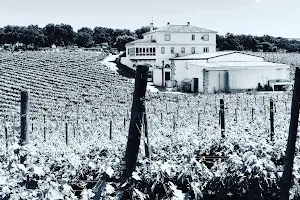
<point x="184" y="57"/>
<point x="224" y="71"/>
<point x="169" y="42"/>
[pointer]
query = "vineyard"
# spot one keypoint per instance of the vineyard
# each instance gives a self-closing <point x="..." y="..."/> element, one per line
<point x="79" y="119"/>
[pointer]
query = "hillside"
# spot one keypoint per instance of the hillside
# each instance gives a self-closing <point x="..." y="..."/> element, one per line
<point x="56" y="79"/>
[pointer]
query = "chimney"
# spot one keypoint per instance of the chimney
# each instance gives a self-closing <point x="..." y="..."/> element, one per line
<point x="168" y="23"/>
<point x="188" y="23"/>
<point x="151" y="27"/>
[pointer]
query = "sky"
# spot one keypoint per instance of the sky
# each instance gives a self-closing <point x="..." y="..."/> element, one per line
<point x="279" y="18"/>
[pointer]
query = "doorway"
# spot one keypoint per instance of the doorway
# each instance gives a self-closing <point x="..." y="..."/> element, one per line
<point x="196" y="83"/>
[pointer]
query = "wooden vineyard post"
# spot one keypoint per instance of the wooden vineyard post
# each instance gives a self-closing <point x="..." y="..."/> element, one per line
<point x="252" y="114"/>
<point x="163" y="74"/>
<point x="44" y="128"/>
<point x="32" y="126"/>
<point x="272" y="119"/>
<point x="133" y="142"/>
<point x="198" y="120"/>
<point x="74" y="132"/>
<point x="110" y="129"/>
<point x="24" y="116"/>
<point x="290" y="149"/>
<point x="236" y="115"/>
<point x="222" y="118"/>
<point x="174" y="123"/>
<point x="146" y="135"/>
<point x="6" y="139"/>
<point x="24" y="120"/>
<point x="161" y="118"/>
<point x="66" y="133"/>
<point x="124" y="122"/>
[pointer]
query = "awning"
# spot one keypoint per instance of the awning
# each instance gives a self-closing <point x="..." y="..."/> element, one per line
<point x="187" y="80"/>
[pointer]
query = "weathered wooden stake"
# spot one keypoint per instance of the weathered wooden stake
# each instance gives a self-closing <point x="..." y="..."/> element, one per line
<point x="272" y="119"/>
<point x="124" y="122"/>
<point x="32" y="126"/>
<point x="6" y="138"/>
<point x="252" y="113"/>
<point x="44" y="128"/>
<point x="290" y="149"/>
<point x="66" y="133"/>
<point x="110" y="129"/>
<point x="24" y="116"/>
<point x="161" y="118"/>
<point x="222" y="118"/>
<point x="198" y="120"/>
<point x="74" y="132"/>
<point x="133" y="142"/>
<point x="147" y="153"/>
<point x="236" y="115"/>
<point x="174" y="123"/>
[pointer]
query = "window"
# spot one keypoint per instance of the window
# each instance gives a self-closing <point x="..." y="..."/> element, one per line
<point x="193" y="50"/>
<point x="154" y="51"/>
<point x="193" y="37"/>
<point x="167" y="37"/>
<point x="182" y="50"/>
<point x="137" y="51"/>
<point x="167" y="76"/>
<point x="205" y="50"/>
<point x="163" y="50"/>
<point x="172" y="50"/>
<point x="205" y="37"/>
<point x="131" y="51"/>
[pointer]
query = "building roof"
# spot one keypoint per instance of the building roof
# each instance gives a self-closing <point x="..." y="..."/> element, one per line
<point x="203" y="56"/>
<point x="181" y="29"/>
<point x="206" y="56"/>
<point x="141" y="41"/>
<point x="241" y="65"/>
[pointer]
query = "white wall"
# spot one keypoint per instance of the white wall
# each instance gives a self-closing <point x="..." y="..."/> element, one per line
<point x="184" y="38"/>
<point x="245" y="79"/>
<point x="236" y="57"/>
<point x="185" y="70"/>
<point x="157" y="76"/>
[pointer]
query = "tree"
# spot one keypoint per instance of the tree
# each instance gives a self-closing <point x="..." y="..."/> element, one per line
<point x="2" y="36"/>
<point x="49" y="32"/>
<point x="122" y="40"/>
<point x="64" y="34"/>
<point x="144" y="29"/>
<point x="268" y="47"/>
<point x="99" y="35"/>
<point x="84" y="37"/>
<point x="232" y="42"/>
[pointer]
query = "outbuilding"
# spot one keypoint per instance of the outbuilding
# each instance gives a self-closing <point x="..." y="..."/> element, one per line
<point x="220" y="72"/>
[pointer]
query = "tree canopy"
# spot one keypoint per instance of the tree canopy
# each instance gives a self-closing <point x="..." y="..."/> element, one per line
<point x="35" y="37"/>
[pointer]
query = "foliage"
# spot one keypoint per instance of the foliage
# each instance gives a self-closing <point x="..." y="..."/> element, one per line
<point x="264" y="43"/>
<point x="122" y="40"/>
<point x="86" y="90"/>
<point x="84" y="37"/>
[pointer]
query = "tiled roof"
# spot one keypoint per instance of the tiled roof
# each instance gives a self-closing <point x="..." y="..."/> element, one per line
<point x="141" y="41"/>
<point x="182" y="29"/>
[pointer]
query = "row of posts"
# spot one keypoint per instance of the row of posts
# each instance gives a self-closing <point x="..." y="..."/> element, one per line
<point x="139" y="119"/>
